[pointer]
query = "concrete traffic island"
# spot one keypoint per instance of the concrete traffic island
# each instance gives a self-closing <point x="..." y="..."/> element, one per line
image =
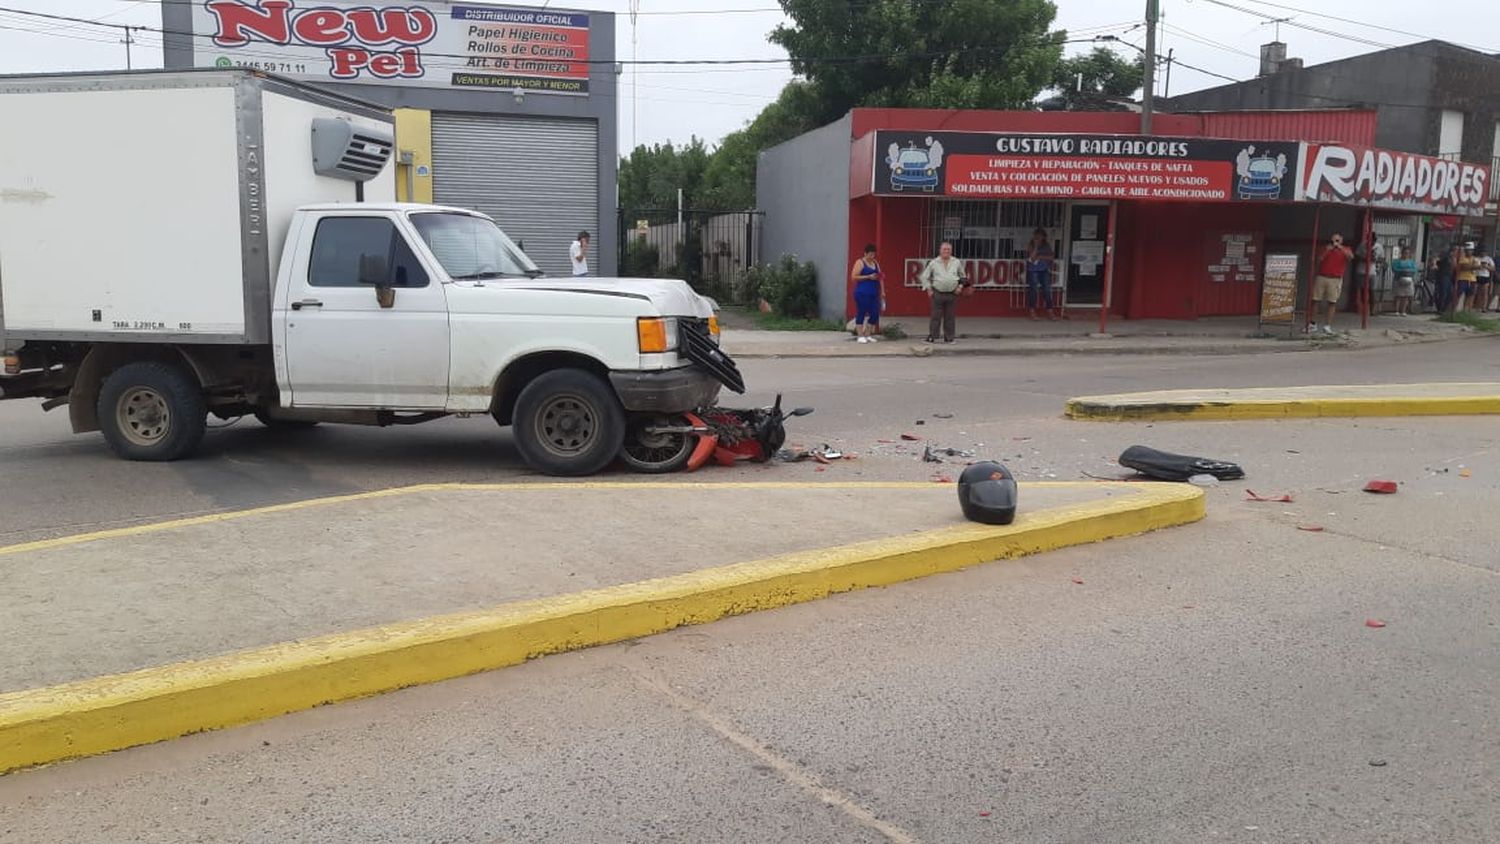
<point x="1341" y="401"/>
<point x="131" y="636"/>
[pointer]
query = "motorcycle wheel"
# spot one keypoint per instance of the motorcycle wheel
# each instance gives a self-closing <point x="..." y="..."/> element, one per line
<point x="656" y="453"/>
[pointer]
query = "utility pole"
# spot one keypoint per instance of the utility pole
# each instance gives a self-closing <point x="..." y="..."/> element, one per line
<point x="127" y="41"/>
<point x="1148" y="94"/>
<point x="635" y="73"/>
<point x="1167" y="86"/>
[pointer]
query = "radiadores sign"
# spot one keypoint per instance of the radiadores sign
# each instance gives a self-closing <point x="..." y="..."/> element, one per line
<point x="1387" y="179"/>
<point x="434" y="45"/>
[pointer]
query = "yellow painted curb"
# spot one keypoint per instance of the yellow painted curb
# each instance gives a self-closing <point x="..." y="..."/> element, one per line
<point x="1105" y="411"/>
<point x="104" y="714"/>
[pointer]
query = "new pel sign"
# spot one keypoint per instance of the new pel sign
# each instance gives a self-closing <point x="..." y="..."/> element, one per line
<point x="349" y="36"/>
<point x="1387" y="179"/>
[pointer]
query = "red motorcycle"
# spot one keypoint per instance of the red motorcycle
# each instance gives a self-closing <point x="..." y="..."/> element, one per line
<point x="659" y="445"/>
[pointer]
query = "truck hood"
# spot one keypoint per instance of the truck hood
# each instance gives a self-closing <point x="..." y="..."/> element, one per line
<point x="668" y="297"/>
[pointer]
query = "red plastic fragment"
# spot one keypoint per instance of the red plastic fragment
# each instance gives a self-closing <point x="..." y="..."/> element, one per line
<point x="1311" y="528"/>
<point x="1252" y="495"/>
<point x="1375" y="624"/>
<point x="1381" y="487"/>
<point x="1078" y="580"/>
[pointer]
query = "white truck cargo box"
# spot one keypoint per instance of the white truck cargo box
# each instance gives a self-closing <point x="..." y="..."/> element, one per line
<point x="146" y="206"/>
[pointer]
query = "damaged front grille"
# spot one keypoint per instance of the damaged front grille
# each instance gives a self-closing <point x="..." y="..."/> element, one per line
<point x="701" y="349"/>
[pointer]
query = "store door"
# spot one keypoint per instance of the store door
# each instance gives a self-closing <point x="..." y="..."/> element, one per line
<point x="1088" y="231"/>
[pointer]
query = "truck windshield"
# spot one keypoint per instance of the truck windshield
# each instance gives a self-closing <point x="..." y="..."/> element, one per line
<point x="472" y="247"/>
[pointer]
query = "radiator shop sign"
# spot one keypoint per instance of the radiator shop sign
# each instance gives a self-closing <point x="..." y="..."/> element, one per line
<point x="983" y="165"/>
<point x="1393" y="180"/>
<point x="432" y="45"/>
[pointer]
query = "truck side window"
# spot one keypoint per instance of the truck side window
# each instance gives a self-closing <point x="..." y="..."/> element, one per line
<point x="340" y="242"/>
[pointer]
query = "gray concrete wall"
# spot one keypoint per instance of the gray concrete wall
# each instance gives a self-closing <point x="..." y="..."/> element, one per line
<point x="803" y="188"/>
<point x="599" y="106"/>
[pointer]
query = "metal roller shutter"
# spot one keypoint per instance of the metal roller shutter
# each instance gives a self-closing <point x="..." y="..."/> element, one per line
<point x="538" y="177"/>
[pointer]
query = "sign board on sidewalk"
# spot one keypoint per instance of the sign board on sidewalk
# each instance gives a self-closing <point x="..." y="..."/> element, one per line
<point x="471" y="45"/>
<point x="1278" y="290"/>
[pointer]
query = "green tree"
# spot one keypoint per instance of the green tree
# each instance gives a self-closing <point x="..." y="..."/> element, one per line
<point x="650" y="176"/>
<point x="729" y="183"/>
<point x="1087" y="80"/>
<point x="921" y="53"/>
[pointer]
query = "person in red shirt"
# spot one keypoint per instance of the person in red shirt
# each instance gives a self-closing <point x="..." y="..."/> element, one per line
<point x="1333" y="261"/>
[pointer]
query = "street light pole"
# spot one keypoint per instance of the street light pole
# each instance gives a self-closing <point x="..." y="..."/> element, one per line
<point x="1148" y="94"/>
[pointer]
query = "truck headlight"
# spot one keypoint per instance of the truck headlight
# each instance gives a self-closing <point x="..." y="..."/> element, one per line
<point x="657" y="334"/>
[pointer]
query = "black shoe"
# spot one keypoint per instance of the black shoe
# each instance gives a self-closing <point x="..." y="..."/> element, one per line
<point x="930" y="340"/>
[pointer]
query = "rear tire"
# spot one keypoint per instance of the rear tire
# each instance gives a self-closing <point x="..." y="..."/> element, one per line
<point x="568" y="422"/>
<point x="152" y="412"/>
<point x="656" y="454"/>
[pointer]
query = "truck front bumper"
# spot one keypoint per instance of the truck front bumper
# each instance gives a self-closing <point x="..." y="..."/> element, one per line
<point x="666" y="391"/>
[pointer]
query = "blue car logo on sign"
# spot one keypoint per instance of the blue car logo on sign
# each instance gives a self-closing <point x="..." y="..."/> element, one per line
<point x="915" y="167"/>
<point x="1259" y="176"/>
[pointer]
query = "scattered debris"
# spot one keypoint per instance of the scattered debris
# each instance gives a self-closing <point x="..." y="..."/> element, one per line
<point x="1020" y="439"/>
<point x="1078" y="581"/>
<point x="1166" y="466"/>
<point x="1311" y="528"/>
<point x="1204" y="480"/>
<point x="942" y="416"/>
<point x="920" y="422"/>
<point x="984" y="814"/>
<point x="1293" y="451"/>
<point x="1284" y="498"/>
<point x="1381" y="487"/>
<point x="942" y="479"/>
<point x="1465" y="473"/>
<point x="911" y="438"/>
<point x="1374" y="624"/>
<point x="1377" y="763"/>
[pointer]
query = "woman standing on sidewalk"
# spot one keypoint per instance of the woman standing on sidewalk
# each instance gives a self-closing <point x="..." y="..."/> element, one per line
<point x="1039" y="262"/>
<point x="1406" y="281"/>
<point x="869" y="296"/>
<point x="943" y="279"/>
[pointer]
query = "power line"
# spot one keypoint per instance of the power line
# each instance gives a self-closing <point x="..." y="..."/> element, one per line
<point x="1364" y="24"/>
<point x="1308" y="27"/>
<point x="605" y="62"/>
<point x="1207" y="42"/>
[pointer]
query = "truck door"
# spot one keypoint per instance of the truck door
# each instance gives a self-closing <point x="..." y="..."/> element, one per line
<point x="353" y="341"/>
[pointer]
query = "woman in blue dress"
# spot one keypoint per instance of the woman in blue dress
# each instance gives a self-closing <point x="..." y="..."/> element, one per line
<point x="1039" y="258"/>
<point x="869" y="296"/>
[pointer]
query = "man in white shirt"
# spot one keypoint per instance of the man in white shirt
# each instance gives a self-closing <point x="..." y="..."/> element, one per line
<point x="579" y="253"/>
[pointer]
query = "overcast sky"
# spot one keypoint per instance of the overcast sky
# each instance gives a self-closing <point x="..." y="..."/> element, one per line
<point x="677" y="102"/>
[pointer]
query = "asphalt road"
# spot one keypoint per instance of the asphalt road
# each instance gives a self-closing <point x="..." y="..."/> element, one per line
<point x="1217" y="682"/>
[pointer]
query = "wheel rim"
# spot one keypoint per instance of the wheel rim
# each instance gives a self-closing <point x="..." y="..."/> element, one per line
<point x="567" y="425"/>
<point x="654" y="449"/>
<point x="143" y="416"/>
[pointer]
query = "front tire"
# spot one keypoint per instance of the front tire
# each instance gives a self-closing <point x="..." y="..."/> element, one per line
<point x="568" y="422"/>
<point x="654" y="453"/>
<point x="152" y="412"/>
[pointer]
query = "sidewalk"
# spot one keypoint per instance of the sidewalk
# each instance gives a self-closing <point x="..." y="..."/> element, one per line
<point x="992" y="336"/>
<point x="126" y="637"/>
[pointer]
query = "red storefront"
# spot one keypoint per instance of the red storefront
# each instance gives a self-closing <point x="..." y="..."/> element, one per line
<point x="1174" y="225"/>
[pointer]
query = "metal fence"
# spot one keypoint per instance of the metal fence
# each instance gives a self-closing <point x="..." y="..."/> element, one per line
<point x="710" y="250"/>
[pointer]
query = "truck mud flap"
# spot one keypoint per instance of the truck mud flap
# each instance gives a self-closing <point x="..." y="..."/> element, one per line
<point x="705" y="353"/>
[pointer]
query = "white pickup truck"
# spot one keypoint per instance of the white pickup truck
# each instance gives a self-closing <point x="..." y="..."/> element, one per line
<point x="174" y="245"/>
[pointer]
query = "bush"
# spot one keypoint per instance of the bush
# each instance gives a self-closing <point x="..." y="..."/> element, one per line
<point x="642" y="260"/>
<point x="790" y="287"/>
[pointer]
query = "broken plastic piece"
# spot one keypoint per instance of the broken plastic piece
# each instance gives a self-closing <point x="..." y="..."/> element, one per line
<point x="1078" y="581"/>
<point x="942" y="416"/>
<point x="911" y="438"/>
<point x="1381" y="487"/>
<point x="1465" y="473"/>
<point x="1311" y="528"/>
<point x="1166" y="466"/>
<point x="1373" y="623"/>
<point x="1252" y="495"/>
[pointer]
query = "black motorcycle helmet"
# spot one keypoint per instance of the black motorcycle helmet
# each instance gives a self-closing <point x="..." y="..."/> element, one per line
<point x="987" y="493"/>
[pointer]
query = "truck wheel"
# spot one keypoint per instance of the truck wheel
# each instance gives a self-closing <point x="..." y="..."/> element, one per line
<point x="568" y="422"/>
<point x="656" y="453"/>
<point x="152" y="411"/>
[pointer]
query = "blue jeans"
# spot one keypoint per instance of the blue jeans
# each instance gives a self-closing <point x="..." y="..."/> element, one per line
<point x="1038" y="288"/>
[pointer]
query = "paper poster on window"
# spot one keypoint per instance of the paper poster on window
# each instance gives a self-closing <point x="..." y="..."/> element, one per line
<point x="1088" y="227"/>
<point x="1088" y="252"/>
